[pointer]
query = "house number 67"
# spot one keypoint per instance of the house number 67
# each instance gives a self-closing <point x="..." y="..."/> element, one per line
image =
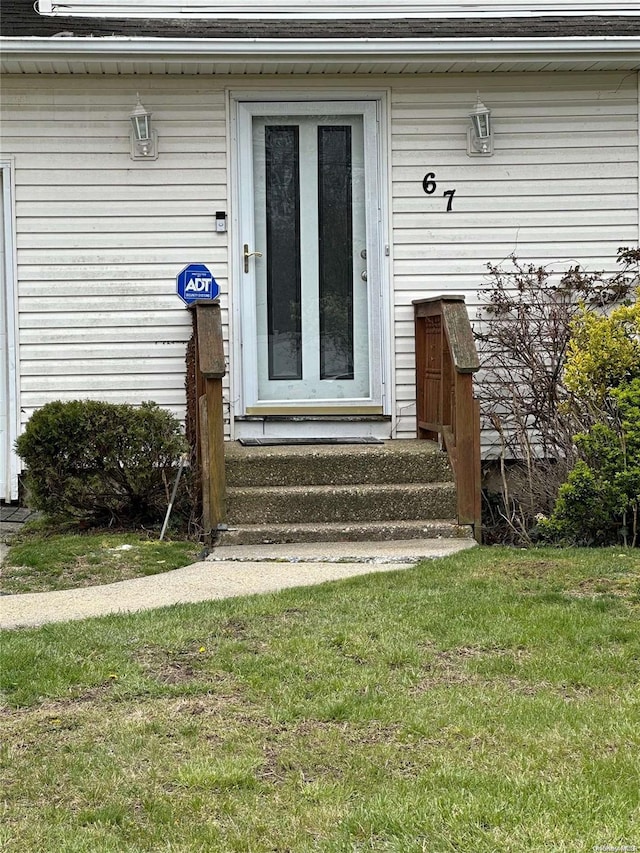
<point x="429" y="185"/>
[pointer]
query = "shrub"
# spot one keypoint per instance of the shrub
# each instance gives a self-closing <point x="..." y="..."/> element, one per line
<point x="101" y="462"/>
<point x="586" y="509"/>
<point x="530" y="316"/>
<point x="600" y="501"/>
<point x="603" y="352"/>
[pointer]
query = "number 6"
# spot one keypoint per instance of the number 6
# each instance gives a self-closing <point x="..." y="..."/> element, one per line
<point x="429" y="183"/>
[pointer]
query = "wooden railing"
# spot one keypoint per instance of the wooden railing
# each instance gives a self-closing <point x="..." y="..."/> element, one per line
<point x="209" y="370"/>
<point x="447" y="411"/>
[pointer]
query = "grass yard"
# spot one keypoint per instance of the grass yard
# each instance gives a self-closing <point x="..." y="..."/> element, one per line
<point x="484" y="702"/>
<point x="41" y="559"/>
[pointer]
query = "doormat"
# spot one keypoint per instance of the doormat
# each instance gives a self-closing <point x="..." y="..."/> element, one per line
<point x="283" y="442"/>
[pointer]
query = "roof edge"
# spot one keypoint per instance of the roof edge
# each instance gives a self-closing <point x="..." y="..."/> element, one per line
<point x="114" y="45"/>
<point x="54" y="11"/>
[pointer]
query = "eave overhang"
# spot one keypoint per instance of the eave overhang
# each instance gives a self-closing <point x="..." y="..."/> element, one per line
<point x="117" y="54"/>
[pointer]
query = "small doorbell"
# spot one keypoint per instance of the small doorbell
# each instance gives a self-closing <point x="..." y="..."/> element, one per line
<point x="221" y="221"/>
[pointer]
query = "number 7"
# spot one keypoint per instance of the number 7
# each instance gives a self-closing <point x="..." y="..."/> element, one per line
<point x="451" y="194"/>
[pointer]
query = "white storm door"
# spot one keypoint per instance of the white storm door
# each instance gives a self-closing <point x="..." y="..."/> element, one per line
<point x="310" y="257"/>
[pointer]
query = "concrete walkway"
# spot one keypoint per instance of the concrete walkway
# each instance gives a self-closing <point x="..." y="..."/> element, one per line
<point x="229" y="571"/>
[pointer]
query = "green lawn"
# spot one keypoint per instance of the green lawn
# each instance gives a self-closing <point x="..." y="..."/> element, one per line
<point x="484" y="702"/>
<point x="41" y="559"/>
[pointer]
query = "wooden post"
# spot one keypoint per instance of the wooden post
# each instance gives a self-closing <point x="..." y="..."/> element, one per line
<point x="465" y="444"/>
<point x="203" y="450"/>
<point x="477" y="527"/>
<point x="210" y="369"/>
<point x="198" y="380"/>
<point x="215" y="429"/>
<point x="445" y="403"/>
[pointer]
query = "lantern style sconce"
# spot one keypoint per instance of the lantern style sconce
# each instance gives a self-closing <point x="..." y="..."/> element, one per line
<point x="480" y="134"/>
<point x="144" y="140"/>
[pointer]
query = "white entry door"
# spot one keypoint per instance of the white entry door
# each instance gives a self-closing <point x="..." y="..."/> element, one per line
<point x="310" y="258"/>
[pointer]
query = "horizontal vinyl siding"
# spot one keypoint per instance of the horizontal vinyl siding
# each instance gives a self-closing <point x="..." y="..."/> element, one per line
<point x="101" y="238"/>
<point x="560" y="189"/>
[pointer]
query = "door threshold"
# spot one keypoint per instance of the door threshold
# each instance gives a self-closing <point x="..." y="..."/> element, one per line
<point x="313" y="426"/>
<point x="284" y="442"/>
<point x="312" y="418"/>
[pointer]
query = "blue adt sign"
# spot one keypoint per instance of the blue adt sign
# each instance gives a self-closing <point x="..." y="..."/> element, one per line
<point x="196" y="282"/>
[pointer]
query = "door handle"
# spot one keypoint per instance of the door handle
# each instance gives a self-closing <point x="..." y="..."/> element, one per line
<point x="247" y="254"/>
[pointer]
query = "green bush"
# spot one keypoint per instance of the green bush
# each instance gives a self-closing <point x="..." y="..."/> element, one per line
<point x="603" y="352"/>
<point x="533" y="321"/>
<point x="590" y="509"/>
<point x="101" y="462"/>
<point x="600" y="502"/>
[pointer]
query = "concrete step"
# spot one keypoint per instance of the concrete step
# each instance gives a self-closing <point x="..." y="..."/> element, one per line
<point x="393" y="551"/>
<point x="400" y="461"/>
<point x="362" y="531"/>
<point x="322" y="504"/>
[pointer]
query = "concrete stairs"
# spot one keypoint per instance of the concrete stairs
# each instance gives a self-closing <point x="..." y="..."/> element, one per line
<point x="326" y="493"/>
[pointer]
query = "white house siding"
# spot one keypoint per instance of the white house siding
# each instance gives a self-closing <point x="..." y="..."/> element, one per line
<point x="100" y="237"/>
<point x="560" y="189"/>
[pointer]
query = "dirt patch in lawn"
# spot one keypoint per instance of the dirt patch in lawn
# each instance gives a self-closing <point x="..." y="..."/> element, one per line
<point x="623" y="586"/>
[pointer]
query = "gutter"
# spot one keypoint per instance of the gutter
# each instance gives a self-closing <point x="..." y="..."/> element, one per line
<point x="335" y="10"/>
<point x="256" y="49"/>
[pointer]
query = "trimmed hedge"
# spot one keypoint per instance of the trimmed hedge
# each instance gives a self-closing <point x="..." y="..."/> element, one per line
<point x="101" y="462"/>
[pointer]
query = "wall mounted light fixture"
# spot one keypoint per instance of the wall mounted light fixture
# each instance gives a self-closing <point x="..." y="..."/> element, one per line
<point x="144" y="140"/>
<point x="480" y="134"/>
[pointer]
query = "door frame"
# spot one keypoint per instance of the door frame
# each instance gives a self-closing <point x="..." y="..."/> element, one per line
<point x="380" y="312"/>
<point x="10" y="360"/>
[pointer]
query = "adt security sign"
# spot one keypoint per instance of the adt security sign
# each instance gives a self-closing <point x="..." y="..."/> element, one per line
<point x="196" y="282"/>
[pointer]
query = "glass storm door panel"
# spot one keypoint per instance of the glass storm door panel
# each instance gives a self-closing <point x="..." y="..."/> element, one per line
<point x="307" y="281"/>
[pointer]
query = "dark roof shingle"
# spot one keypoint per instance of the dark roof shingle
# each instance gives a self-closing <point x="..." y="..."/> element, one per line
<point x="19" y="18"/>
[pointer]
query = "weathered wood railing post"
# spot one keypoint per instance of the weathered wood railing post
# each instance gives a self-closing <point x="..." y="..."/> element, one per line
<point x="209" y="371"/>
<point x="446" y="359"/>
